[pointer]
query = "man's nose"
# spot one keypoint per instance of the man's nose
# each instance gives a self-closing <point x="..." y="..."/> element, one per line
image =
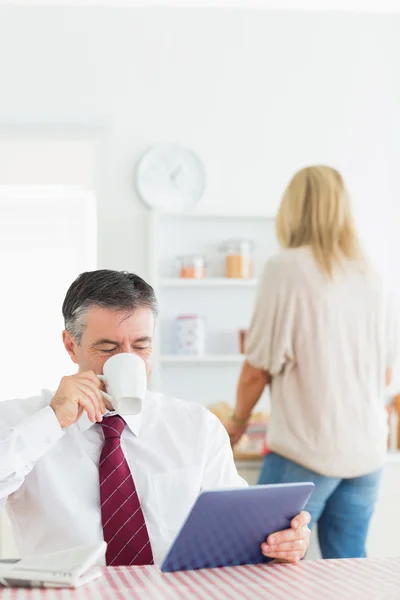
<point x="126" y="347"/>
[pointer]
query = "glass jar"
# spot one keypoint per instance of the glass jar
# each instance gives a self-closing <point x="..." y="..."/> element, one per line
<point x="238" y="259"/>
<point x="192" y="266"/>
<point x="190" y="335"/>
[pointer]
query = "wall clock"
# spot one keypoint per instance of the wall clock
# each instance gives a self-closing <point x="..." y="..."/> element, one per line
<point x="170" y="177"/>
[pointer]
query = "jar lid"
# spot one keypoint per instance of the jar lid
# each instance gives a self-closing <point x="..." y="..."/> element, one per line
<point x="191" y="257"/>
<point x="237" y="244"/>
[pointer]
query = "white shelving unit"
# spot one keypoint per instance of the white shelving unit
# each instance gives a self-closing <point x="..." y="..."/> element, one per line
<point x="225" y="303"/>
<point x="205" y="359"/>
<point x="211" y="282"/>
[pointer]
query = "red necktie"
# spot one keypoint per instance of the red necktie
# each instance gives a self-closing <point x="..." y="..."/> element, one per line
<point x="124" y="527"/>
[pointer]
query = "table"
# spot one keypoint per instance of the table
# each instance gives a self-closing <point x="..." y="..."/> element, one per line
<point x="354" y="579"/>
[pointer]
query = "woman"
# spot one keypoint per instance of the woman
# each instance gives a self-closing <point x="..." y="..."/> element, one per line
<point x="324" y="338"/>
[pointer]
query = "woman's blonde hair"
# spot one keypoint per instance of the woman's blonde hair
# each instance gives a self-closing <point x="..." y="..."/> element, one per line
<point x="315" y="211"/>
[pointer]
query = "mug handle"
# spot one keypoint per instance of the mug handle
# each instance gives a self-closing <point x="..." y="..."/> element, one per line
<point x="106" y="396"/>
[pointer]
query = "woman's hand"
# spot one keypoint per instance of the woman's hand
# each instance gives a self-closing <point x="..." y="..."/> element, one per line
<point x="235" y="429"/>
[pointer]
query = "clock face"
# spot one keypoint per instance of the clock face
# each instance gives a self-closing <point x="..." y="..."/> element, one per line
<point x="170" y="177"/>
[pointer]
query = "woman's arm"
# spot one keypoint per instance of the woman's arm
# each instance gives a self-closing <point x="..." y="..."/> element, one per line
<point x="268" y="343"/>
<point x="251" y="385"/>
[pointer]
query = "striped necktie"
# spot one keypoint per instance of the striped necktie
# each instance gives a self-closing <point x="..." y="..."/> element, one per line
<point x="124" y="527"/>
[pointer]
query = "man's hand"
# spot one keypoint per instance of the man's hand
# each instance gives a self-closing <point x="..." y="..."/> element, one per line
<point x="75" y="394"/>
<point x="292" y="544"/>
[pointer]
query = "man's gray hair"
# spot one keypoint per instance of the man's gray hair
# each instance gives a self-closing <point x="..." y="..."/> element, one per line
<point x="119" y="291"/>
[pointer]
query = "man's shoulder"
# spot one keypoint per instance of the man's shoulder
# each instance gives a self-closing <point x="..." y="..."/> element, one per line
<point x="13" y="411"/>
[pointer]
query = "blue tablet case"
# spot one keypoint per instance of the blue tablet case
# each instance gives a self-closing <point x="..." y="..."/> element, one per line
<point x="227" y="527"/>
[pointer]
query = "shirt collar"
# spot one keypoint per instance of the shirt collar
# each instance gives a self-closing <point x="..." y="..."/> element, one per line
<point x="133" y="422"/>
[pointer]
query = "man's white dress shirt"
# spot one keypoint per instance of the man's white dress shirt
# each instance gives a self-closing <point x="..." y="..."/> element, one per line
<point x="49" y="476"/>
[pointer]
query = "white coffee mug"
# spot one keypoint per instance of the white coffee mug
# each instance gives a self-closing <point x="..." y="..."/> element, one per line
<point x="125" y="378"/>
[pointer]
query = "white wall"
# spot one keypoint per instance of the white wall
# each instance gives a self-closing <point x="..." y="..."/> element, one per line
<point x="32" y="156"/>
<point x="256" y="94"/>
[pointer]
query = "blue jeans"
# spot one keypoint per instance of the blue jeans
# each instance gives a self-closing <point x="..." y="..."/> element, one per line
<point x="342" y="507"/>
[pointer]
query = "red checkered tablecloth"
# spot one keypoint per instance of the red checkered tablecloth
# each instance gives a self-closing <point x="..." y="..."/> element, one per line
<point x="355" y="579"/>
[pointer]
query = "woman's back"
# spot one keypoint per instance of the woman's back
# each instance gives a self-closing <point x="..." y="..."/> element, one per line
<point x="325" y="339"/>
<point x="328" y="348"/>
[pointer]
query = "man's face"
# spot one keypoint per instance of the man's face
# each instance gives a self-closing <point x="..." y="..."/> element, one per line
<point x="107" y="333"/>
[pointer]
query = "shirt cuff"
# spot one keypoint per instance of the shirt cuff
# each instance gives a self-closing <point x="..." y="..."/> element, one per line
<point x="255" y="362"/>
<point x="40" y="431"/>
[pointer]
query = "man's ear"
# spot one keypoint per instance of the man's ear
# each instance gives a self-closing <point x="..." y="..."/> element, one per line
<point x="70" y="346"/>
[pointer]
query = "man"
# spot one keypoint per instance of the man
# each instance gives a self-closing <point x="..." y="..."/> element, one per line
<point x="74" y="476"/>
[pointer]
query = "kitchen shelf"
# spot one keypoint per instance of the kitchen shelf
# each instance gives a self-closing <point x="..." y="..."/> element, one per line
<point x="226" y="304"/>
<point x="212" y="282"/>
<point x="213" y="216"/>
<point x="205" y="359"/>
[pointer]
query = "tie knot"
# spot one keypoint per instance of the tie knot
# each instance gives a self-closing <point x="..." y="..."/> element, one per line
<point x="112" y="426"/>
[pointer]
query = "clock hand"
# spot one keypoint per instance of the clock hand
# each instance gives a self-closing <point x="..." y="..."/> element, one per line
<point x="175" y="173"/>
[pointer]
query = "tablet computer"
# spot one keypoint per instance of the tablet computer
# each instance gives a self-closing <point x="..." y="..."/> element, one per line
<point x="227" y="527"/>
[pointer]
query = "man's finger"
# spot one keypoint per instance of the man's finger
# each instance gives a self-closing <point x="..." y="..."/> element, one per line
<point x="98" y="394"/>
<point x="100" y="398"/>
<point x="88" y="406"/>
<point x="304" y="518"/>
<point x="91" y="375"/>
<point x="296" y="546"/>
<point x="287" y="556"/>
<point x="289" y="535"/>
<point x="91" y="395"/>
